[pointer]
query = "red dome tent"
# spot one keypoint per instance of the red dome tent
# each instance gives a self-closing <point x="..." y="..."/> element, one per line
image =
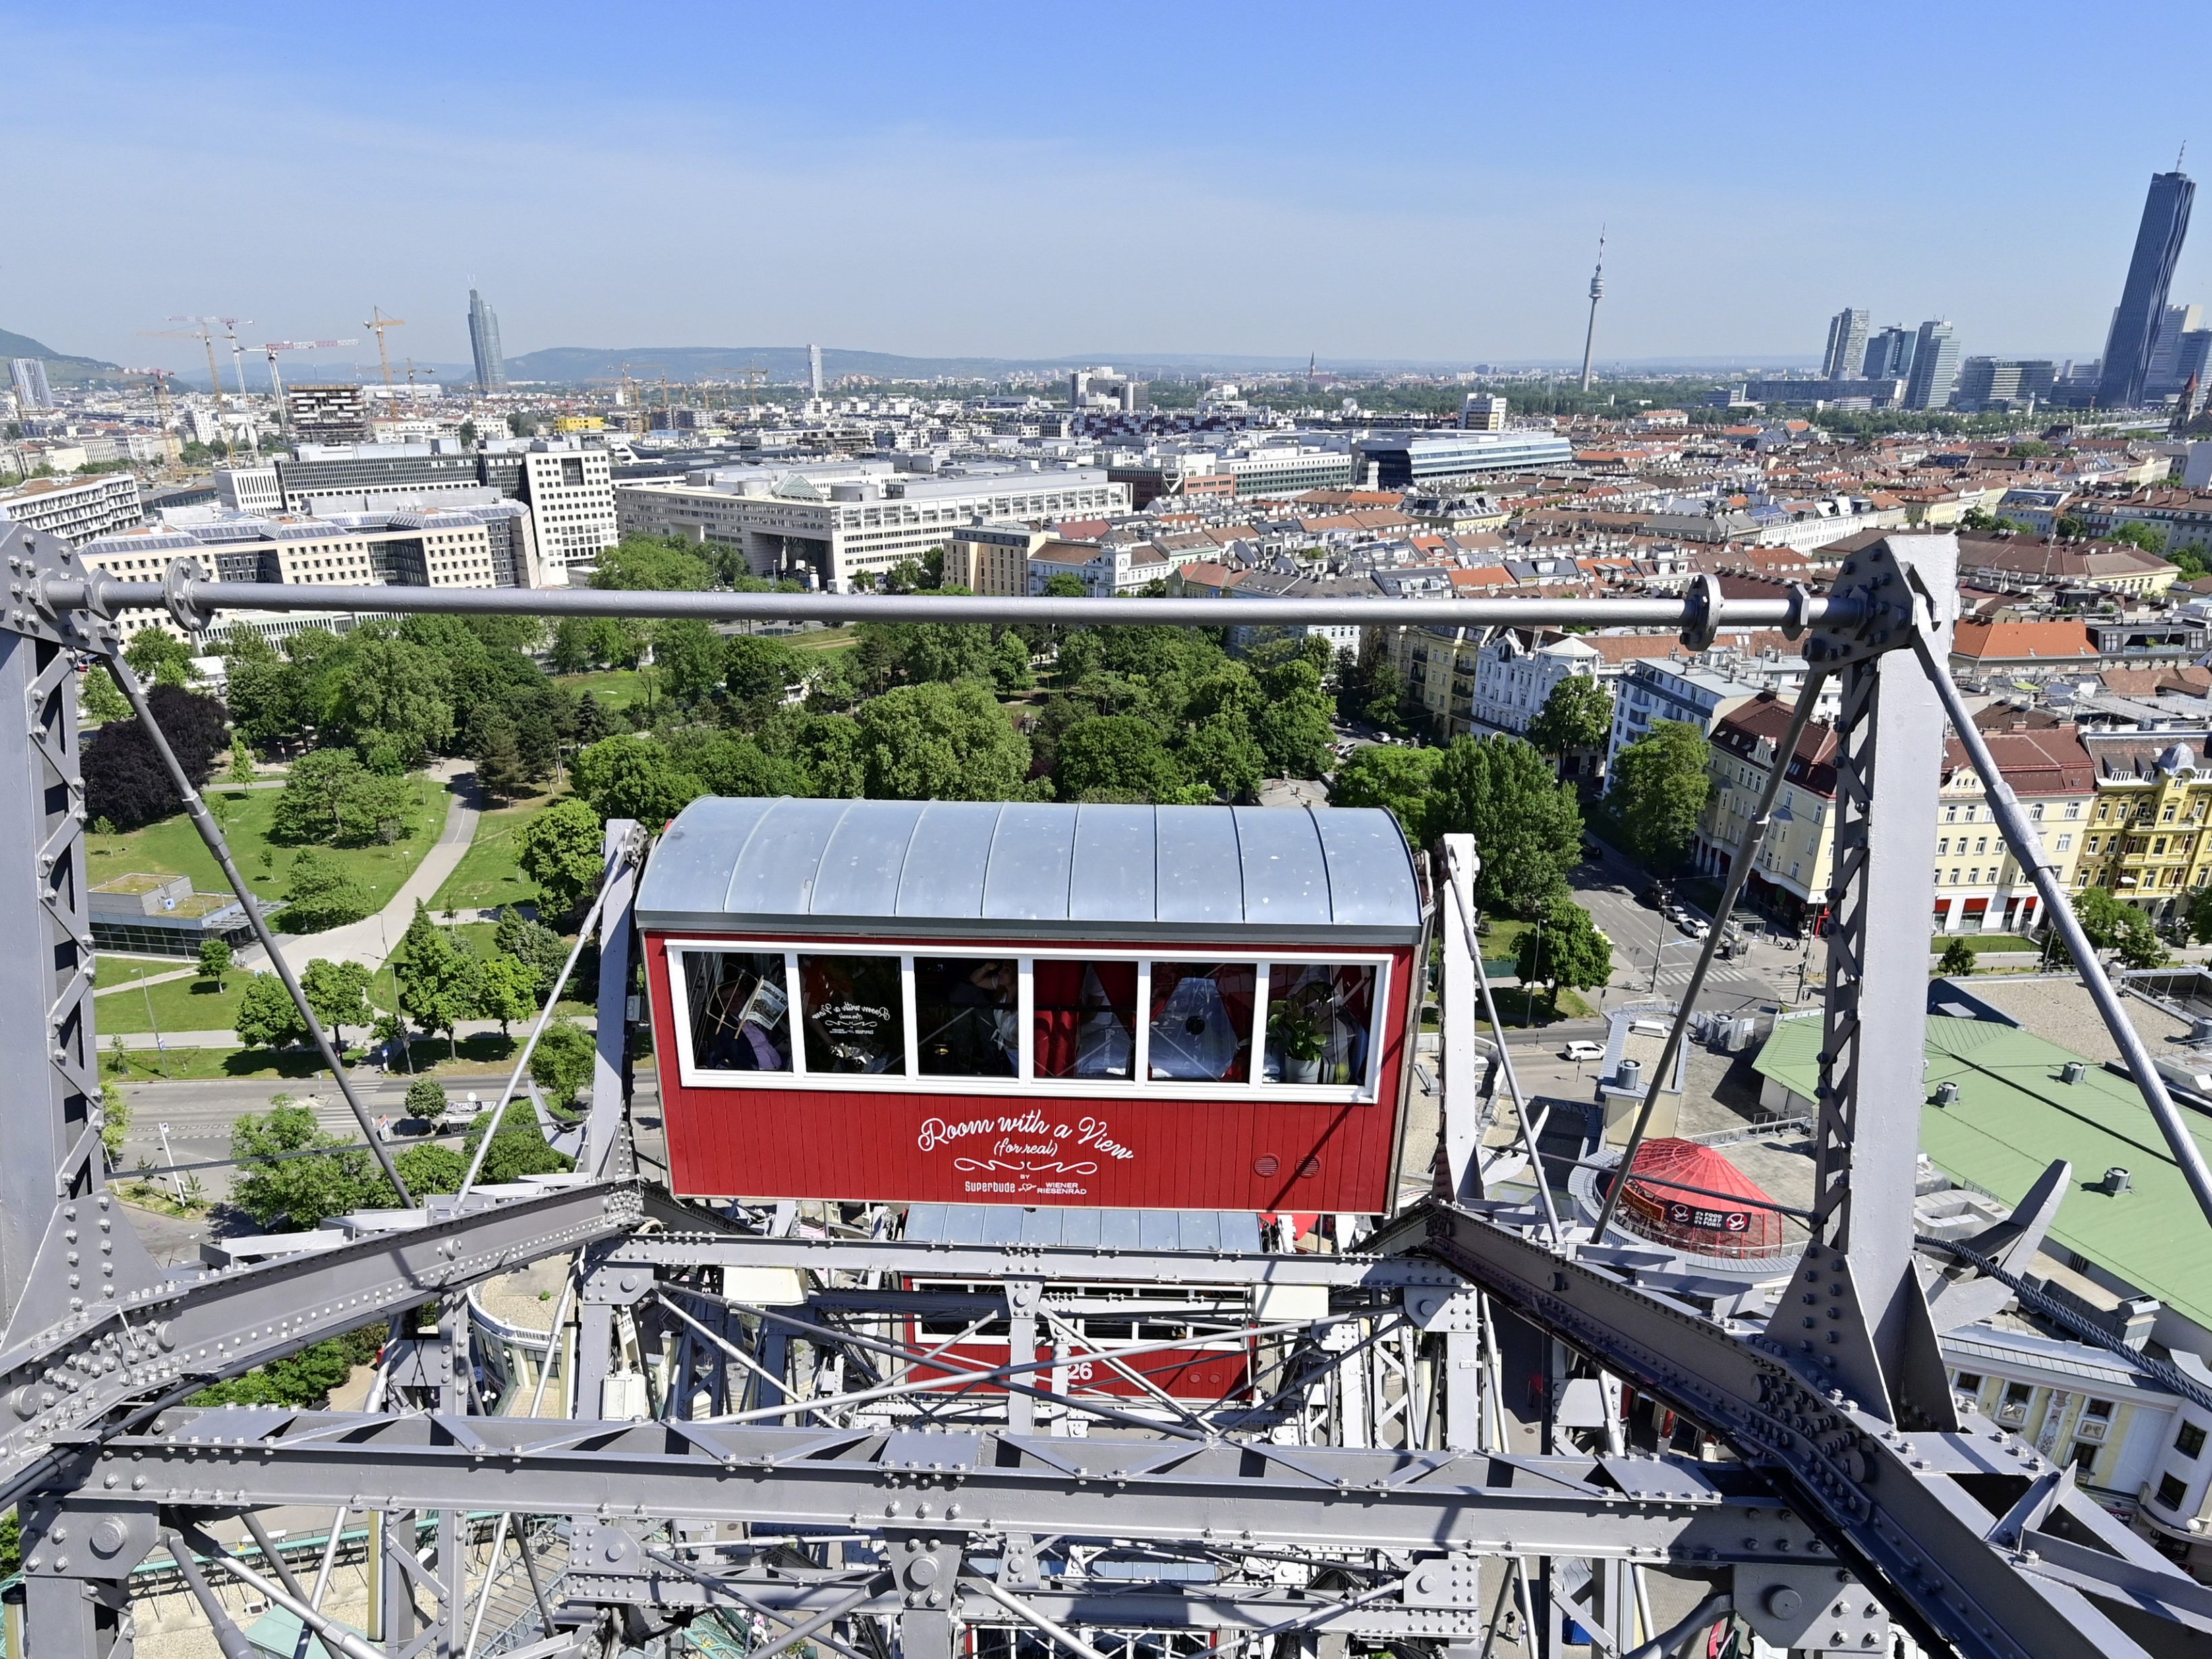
<point x="1726" y="1214"/>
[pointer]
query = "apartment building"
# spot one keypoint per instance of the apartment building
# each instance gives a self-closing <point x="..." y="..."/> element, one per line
<point x="1104" y="568"/>
<point x="833" y="522"/>
<point x="76" y="510"/>
<point x="1979" y="887"/>
<point x="486" y="544"/>
<point x="992" y="558"/>
<point x="1790" y="878"/>
<point x="570" y="495"/>
<point x="2146" y="835"/>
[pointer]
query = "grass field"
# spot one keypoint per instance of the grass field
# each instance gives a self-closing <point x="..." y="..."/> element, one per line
<point x="487" y="876"/>
<point x="614" y="688"/>
<point x="175" y="1004"/>
<point x="1978" y="943"/>
<point x="121" y="970"/>
<point x="173" y="847"/>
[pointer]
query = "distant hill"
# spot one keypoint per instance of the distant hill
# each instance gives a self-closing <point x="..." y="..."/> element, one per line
<point x="785" y="364"/>
<point x="60" y="369"/>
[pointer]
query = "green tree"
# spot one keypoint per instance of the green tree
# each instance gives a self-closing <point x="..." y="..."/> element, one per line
<point x="649" y="562"/>
<point x="310" y="806"/>
<point x="692" y="657"/>
<point x="2105" y="919"/>
<point x="1292" y="727"/>
<point x="1576" y="718"/>
<point x="532" y="944"/>
<point x="756" y="668"/>
<point x="102" y="699"/>
<point x="561" y="1063"/>
<point x="391" y="690"/>
<point x="491" y="745"/>
<point x="518" y="1147"/>
<point x="266" y="1016"/>
<point x="1526" y="825"/>
<point x="215" y="962"/>
<point x="1117" y="758"/>
<point x="432" y="1168"/>
<point x="561" y="850"/>
<point x="1064" y="586"/>
<point x="372" y="807"/>
<point x="425" y="1099"/>
<point x="506" y="990"/>
<point x="1563" y="948"/>
<point x="1958" y="959"/>
<point x="338" y="994"/>
<point x="2197" y="917"/>
<point x="940" y="742"/>
<point x="466" y="432"/>
<point x="322" y="895"/>
<point x="436" y="977"/>
<point x="1658" y="790"/>
<point x="632" y="777"/>
<point x="1220" y="753"/>
<point x="242" y="768"/>
<point x="160" y="657"/>
<point x="303" y="1193"/>
<point x="1392" y="775"/>
<point x="115" y="1121"/>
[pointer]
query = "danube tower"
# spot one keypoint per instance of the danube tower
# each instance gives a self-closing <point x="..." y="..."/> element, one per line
<point x="1597" y="293"/>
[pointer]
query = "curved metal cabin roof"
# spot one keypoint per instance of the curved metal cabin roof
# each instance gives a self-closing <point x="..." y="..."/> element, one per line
<point x="1029" y="870"/>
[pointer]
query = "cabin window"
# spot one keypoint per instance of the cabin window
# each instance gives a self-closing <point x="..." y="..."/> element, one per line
<point x="853" y="1012"/>
<point x="1086" y="1019"/>
<point x="739" y="1009"/>
<point x="966" y="1015"/>
<point x="1201" y="1021"/>
<point x="1320" y="1017"/>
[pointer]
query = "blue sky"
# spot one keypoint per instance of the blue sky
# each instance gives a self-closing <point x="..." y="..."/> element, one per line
<point x="1412" y="182"/>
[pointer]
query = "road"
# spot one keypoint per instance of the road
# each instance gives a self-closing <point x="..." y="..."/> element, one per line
<point x="1606" y="888"/>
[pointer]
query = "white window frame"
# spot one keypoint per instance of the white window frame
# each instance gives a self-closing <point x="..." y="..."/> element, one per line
<point x="1139" y="1085"/>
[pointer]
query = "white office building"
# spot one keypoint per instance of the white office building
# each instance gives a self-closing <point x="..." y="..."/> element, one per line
<point x="833" y="522"/>
<point x="75" y="509"/>
<point x="571" y="497"/>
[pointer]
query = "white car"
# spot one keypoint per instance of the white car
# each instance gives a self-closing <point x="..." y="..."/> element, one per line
<point x="1582" y="1048"/>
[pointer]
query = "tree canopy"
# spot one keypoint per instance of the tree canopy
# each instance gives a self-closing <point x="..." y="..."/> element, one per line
<point x="1577" y="715"/>
<point x="125" y="782"/>
<point x="1392" y="775"/>
<point x="1526" y="825"/>
<point x="1657" y="791"/>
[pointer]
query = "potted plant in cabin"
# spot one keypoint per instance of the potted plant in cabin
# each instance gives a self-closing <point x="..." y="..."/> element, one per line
<point x="1299" y="1032"/>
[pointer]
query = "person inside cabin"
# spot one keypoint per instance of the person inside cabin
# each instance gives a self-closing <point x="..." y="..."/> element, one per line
<point x="853" y="1012"/>
<point x="740" y="1008"/>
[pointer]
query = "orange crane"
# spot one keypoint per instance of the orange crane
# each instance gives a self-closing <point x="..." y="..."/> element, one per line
<point x="379" y="322"/>
<point x="271" y="347"/>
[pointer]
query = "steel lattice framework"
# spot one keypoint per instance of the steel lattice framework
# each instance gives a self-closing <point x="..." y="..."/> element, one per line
<point x="783" y="1474"/>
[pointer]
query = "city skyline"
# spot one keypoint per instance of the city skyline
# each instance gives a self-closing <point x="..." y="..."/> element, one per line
<point x="571" y="242"/>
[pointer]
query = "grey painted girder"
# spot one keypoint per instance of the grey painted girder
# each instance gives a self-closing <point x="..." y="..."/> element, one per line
<point x="1055" y="1264"/>
<point x="1893" y="1503"/>
<point x="964" y="1484"/>
<point x="181" y="1333"/>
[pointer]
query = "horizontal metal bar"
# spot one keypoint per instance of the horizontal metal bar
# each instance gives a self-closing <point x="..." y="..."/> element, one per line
<point x="966" y="1484"/>
<point x="210" y="1323"/>
<point x="105" y="594"/>
<point x="1066" y="1263"/>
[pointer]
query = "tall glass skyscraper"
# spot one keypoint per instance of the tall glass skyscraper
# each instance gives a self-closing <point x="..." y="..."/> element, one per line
<point x="484" y="343"/>
<point x="2142" y="301"/>
<point x="1935" y="367"/>
<point x="1847" y="345"/>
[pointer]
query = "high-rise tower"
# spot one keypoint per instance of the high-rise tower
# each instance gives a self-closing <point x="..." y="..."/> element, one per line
<point x="814" y="369"/>
<point x="2142" y="300"/>
<point x="484" y="344"/>
<point x="1597" y="293"/>
<point x="1847" y="346"/>
<point x="1935" y="367"/>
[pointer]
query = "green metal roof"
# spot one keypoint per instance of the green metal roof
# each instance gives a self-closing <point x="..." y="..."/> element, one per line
<point x="2013" y="1117"/>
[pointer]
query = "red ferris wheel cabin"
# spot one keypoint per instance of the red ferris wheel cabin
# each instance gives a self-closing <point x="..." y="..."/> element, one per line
<point x="1170" y="1007"/>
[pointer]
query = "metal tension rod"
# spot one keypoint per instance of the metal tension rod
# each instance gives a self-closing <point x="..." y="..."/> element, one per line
<point x="193" y="595"/>
<point x="2026" y="844"/>
<point x="1747" y="853"/>
<point x="623" y="861"/>
<point x="211" y="833"/>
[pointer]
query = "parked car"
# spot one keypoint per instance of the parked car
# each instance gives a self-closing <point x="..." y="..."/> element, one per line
<point x="1582" y="1048"/>
<point x="1689" y="925"/>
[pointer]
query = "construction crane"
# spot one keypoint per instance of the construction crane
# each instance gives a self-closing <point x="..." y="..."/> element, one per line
<point x="271" y="347"/>
<point x="378" y="321"/>
<point x="205" y="335"/>
<point x="161" y="378"/>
